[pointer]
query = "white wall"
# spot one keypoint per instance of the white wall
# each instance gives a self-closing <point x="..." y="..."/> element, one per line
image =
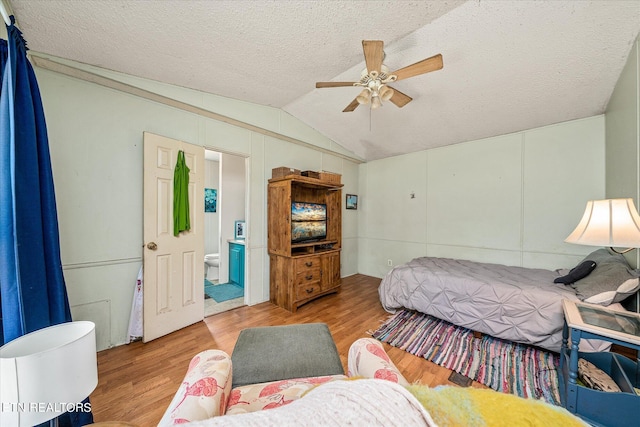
<point x="95" y="137"/>
<point x="509" y="199"/>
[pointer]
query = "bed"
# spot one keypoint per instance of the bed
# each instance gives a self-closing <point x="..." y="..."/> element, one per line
<point x="513" y="303"/>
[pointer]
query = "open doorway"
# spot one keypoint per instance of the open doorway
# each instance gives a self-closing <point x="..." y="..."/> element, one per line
<point x="225" y="199"/>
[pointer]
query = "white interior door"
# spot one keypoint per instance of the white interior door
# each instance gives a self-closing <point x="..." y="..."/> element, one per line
<point x="173" y="295"/>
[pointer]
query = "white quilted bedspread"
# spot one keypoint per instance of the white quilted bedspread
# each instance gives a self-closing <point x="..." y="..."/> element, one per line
<point x="366" y="402"/>
<point x="513" y="303"/>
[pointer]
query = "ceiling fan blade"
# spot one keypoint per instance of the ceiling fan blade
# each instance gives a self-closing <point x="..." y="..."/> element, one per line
<point x="373" y="54"/>
<point x="333" y="84"/>
<point x="354" y="104"/>
<point x="399" y="98"/>
<point x="425" y="66"/>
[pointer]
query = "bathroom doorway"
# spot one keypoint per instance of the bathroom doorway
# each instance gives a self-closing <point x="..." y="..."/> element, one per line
<point x="225" y="198"/>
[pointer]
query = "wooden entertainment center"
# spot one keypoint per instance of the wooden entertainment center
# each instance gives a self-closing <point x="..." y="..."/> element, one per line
<point x="301" y="272"/>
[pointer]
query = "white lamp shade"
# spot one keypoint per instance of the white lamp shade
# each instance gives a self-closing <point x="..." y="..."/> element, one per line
<point x="47" y="372"/>
<point x="610" y="222"/>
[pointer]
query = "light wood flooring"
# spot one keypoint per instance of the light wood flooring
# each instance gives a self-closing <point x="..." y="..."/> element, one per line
<point x="137" y="381"/>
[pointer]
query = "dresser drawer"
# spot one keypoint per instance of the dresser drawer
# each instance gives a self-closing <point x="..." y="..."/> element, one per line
<point x="308" y="276"/>
<point x="307" y="263"/>
<point x="306" y="290"/>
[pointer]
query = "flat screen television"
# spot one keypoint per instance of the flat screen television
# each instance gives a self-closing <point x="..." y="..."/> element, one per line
<point x="308" y="222"/>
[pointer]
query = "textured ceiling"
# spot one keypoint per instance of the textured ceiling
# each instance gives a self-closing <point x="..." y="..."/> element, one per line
<point x="508" y="65"/>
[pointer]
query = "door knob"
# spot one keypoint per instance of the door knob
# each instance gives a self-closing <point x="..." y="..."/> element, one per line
<point x="152" y="246"/>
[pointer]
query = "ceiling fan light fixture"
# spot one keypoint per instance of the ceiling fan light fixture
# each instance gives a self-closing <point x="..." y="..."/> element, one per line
<point x="375" y="102"/>
<point x="364" y="97"/>
<point x="375" y="77"/>
<point x="385" y="93"/>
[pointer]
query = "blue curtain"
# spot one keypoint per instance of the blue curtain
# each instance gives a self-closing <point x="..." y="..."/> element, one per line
<point x="32" y="289"/>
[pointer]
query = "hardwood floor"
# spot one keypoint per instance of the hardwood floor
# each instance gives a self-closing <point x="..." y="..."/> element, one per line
<point x="137" y="381"/>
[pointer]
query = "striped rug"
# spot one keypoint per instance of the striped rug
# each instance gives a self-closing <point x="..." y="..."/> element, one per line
<point x="501" y="365"/>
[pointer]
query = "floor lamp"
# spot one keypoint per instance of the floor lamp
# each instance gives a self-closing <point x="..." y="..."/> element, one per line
<point x="46" y="373"/>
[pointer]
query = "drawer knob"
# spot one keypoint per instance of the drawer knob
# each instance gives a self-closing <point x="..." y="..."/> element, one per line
<point x="308" y="263"/>
<point x="309" y="277"/>
<point x="310" y="290"/>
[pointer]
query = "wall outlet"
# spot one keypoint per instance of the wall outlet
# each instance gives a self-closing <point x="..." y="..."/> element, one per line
<point x="389" y="263"/>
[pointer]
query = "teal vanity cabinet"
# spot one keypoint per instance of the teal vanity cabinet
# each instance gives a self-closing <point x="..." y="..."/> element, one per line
<point x="236" y="262"/>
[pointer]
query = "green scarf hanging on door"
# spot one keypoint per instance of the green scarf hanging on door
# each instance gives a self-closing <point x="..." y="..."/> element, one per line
<point x="181" y="220"/>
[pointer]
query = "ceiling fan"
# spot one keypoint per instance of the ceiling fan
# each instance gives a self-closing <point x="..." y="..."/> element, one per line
<point x="376" y="77"/>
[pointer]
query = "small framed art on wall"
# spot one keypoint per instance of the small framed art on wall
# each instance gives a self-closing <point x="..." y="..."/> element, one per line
<point x="352" y="201"/>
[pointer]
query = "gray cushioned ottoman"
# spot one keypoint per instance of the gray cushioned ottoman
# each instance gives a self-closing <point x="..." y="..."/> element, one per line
<point x="273" y="353"/>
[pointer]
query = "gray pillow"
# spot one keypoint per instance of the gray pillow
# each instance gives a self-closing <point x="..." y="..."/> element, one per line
<point x="611" y="281"/>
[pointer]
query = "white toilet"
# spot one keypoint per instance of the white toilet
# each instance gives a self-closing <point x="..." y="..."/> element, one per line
<point x="211" y="266"/>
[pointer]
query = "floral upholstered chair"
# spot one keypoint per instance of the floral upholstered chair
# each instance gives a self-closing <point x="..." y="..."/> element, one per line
<point x="206" y="391"/>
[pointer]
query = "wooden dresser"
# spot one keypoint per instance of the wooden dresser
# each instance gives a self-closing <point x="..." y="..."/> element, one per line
<point x="301" y="272"/>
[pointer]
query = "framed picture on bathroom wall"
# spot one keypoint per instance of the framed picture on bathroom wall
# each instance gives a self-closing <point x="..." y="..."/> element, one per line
<point x="210" y="199"/>
<point x="239" y="230"/>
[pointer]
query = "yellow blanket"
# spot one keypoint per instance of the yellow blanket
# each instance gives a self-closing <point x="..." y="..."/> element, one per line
<point x="456" y="406"/>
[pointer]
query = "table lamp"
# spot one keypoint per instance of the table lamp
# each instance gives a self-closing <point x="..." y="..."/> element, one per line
<point x="46" y="373"/>
<point x="609" y="222"/>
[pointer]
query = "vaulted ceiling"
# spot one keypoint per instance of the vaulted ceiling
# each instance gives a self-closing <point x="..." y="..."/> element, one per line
<point x="508" y="65"/>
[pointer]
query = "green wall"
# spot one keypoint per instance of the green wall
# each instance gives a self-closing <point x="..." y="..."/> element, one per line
<point x="623" y="136"/>
<point x="510" y="199"/>
<point x="95" y="137"/>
